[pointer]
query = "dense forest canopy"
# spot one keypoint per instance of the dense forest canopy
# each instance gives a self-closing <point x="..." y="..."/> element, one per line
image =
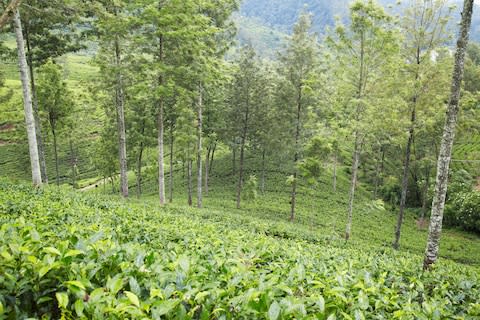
<point x="218" y="159"/>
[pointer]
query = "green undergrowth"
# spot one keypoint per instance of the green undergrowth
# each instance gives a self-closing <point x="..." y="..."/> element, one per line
<point x="74" y="255"/>
<point x="320" y="215"/>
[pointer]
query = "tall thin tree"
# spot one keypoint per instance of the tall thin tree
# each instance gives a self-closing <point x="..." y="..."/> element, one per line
<point x="27" y="101"/>
<point x="443" y="163"/>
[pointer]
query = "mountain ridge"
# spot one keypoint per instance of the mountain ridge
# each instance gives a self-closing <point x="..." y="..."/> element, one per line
<point x="266" y="23"/>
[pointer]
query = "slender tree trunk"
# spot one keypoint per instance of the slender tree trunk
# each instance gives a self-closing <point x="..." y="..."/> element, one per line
<point x="36" y="114"/>
<point x="296" y="155"/>
<point x="435" y="229"/>
<point x="406" y="164"/>
<point x="27" y="102"/>
<point x="73" y="161"/>
<point x="425" y="195"/>
<point x="357" y="145"/>
<point x="210" y="169"/>
<point x="161" y="173"/>
<point x="242" y="156"/>
<point x="262" y="184"/>
<point x="139" y="170"/>
<point x="382" y="165"/>
<point x="207" y="162"/>
<point x="170" y="191"/>
<point x="113" y="184"/>
<point x="240" y="173"/>
<point x="122" y="139"/>
<point x="335" y="171"/>
<point x="160" y="127"/>
<point x="189" y="182"/>
<point x="234" y="160"/>
<point x="199" y="148"/>
<point x="55" y="153"/>
<point x="353" y="185"/>
<point x="406" y="168"/>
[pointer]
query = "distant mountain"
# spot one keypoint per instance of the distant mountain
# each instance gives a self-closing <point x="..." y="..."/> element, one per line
<point x="265" y="23"/>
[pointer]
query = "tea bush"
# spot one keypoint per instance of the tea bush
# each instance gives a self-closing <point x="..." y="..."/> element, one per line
<point x="71" y="256"/>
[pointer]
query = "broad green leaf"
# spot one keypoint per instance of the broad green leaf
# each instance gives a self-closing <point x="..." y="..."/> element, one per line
<point x="52" y="250"/>
<point x="184" y="263"/>
<point x="154" y="293"/>
<point x="62" y="298"/>
<point x="7" y="256"/>
<point x="44" y="299"/>
<point x="274" y="311"/>
<point x="33" y="259"/>
<point x="133" y="298"/>
<point x="73" y="253"/>
<point x="115" y="284"/>
<point x="75" y="283"/>
<point x="43" y="271"/>
<point x="164" y="307"/>
<point x="96" y="294"/>
<point x="199" y="297"/>
<point x="321" y="304"/>
<point x="79" y="307"/>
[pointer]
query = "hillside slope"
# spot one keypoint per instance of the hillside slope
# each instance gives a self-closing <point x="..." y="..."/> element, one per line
<point x="281" y="15"/>
<point x="84" y="256"/>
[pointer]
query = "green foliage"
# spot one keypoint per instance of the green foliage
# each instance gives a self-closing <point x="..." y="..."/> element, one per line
<point x="54" y="97"/>
<point x="463" y="210"/>
<point x="463" y="204"/>
<point x="82" y="256"/>
<point x="391" y="190"/>
<point x="250" y="190"/>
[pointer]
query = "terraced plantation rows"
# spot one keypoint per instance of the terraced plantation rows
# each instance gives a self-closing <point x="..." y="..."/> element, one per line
<point x="84" y="256"/>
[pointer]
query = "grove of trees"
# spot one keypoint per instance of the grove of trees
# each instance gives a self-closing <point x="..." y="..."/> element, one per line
<point x="369" y="97"/>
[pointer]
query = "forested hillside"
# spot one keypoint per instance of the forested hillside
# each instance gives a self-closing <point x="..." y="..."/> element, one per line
<point x="219" y="159"/>
<point x="262" y="19"/>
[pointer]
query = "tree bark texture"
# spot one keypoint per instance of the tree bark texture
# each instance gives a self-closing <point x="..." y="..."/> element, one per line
<point x="242" y="155"/>
<point x="406" y="168"/>
<point x="139" y="170"/>
<point x="207" y="163"/>
<point x="199" y="148"/>
<point x="160" y="131"/>
<point x="353" y="185"/>
<point x="296" y="153"/>
<point x="36" y="113"/>
<point x="189" y="182"/>
<point x="122" y="139"/>
<point x="170" y="191"/>
<point x="27" y="102"/>
<point x="443" y="163"/>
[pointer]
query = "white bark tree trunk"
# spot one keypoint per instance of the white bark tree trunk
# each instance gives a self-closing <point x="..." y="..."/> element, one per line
<point x="443" y="163"/>
<point x="161" y="171"/>
<point x="160" y="127"/>
<point x="353" y="185"/>
<point x="122" y="147"/>
<point x="199" y="149"/>
<point x="27" y="102"/>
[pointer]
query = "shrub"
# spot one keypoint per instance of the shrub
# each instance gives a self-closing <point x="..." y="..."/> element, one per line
<point x="463" y="210"/>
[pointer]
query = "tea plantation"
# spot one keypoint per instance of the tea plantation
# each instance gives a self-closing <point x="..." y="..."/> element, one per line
<point x="78" y="256"/>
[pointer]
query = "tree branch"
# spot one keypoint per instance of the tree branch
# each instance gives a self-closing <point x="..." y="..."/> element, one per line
<point x="9" y="12"/>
